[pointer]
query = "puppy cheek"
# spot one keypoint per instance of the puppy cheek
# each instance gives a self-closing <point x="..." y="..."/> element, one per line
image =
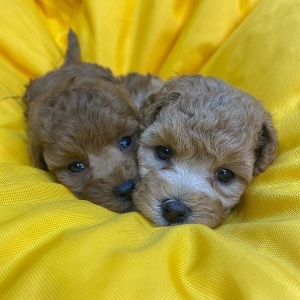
<point x="147" y="195"/>
<point x="147" y="160"/>
<point x="230" y="194"/>
<point x="75" y="182"/>
<point x="207" y="211"/>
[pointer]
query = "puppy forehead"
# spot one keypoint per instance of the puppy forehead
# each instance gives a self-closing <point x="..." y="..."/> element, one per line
<point x="222" y="110"/>
<point x="86" y="122"/>
<point x="208" y="121"/>
<point x="96" y="102"/>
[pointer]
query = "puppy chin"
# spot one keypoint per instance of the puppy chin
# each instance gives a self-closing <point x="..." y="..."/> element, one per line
<point x="166" y="205"/>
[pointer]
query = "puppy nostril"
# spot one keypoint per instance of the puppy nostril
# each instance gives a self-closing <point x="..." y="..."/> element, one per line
<point x="174" y="211"/>
<point x="124" y="190"/>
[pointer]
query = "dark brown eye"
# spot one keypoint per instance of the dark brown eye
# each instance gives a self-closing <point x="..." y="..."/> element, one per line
<point x="224" y="175"/>
<point x="163" y="153"/>
<point x="76" y="167"/>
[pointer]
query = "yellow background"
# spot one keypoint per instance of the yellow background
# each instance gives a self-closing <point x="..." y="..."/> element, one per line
<point x="54" y="246"/>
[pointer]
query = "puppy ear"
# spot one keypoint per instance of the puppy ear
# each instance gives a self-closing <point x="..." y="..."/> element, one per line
<point x="266" y="147"/>
<point x="151" y="106"/>
<point x="141" y="86"/>
<point x="36" y="154"/>
<point x="70" y="82"/>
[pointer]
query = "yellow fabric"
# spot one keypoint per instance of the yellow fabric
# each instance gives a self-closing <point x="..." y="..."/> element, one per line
<point x="54" y="246"/>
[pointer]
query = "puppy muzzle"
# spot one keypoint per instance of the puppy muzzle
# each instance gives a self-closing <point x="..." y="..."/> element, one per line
<point x="124" y="190"/>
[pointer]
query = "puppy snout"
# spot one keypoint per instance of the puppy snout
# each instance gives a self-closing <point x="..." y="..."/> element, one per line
<point x="174" y="211"/>
<point x="124" y="190"/>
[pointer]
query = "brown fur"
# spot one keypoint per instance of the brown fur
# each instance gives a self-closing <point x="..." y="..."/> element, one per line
<point x="207" y="124"/>
<point x="79" y="113"/>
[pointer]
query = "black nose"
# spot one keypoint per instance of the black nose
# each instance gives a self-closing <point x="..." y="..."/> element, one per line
<point x="174" y="211"/>
<point x="124" y="190"/>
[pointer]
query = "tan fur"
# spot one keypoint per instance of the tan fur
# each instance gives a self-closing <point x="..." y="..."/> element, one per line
<point x="207" y="124"/>
<point x="79" y="113"/>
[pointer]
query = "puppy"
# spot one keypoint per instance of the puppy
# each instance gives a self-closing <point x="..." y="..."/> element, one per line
<point x="203" y="142"/>
<point x="83" y="126"/>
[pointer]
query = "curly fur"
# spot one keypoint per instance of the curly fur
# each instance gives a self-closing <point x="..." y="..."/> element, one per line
<point x="79" y="113"/>
<point x="208" y="125"/>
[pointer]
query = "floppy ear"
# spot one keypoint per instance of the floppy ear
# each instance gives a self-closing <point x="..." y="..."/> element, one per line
<point x="267" y="146"/>
<point x="141" y="86"/>
<point x="36" y="154"/>
<point x="152" y="105"/>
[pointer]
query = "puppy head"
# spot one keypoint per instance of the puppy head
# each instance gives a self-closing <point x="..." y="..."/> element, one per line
<point x="83" y="126"/>
<point x="203" y="141"/>
<point x="86" y="134"/>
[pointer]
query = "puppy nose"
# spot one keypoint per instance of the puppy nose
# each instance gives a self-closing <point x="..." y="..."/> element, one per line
<point x="124" y="190"/>
<point x="174" y="211"/>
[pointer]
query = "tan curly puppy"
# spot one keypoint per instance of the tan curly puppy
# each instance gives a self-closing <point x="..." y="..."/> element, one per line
<point x="83" y="127"/>
<point x="203" y="142"/>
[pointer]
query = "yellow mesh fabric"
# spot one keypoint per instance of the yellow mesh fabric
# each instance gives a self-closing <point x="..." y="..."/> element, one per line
<point x="54" y="246"/>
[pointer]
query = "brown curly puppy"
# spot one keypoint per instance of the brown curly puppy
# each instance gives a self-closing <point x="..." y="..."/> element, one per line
<point x="203" y="142"/>
<point x="83" y="127"/>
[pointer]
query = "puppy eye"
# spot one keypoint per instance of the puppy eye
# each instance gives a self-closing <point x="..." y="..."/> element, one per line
<point x="163" y="153"/>
<point x="224" y="175"/>
<point x="76" y="167"/>
<point x="125" y="142"/>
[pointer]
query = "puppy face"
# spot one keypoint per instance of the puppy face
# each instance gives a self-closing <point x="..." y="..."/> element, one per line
<point x="203" y="141"/>
<point x="87" y="136"/>
<point x="83" y="126"/>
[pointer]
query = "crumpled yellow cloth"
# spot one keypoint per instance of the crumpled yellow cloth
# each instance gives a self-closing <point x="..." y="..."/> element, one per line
<point x="54" y="246"/>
